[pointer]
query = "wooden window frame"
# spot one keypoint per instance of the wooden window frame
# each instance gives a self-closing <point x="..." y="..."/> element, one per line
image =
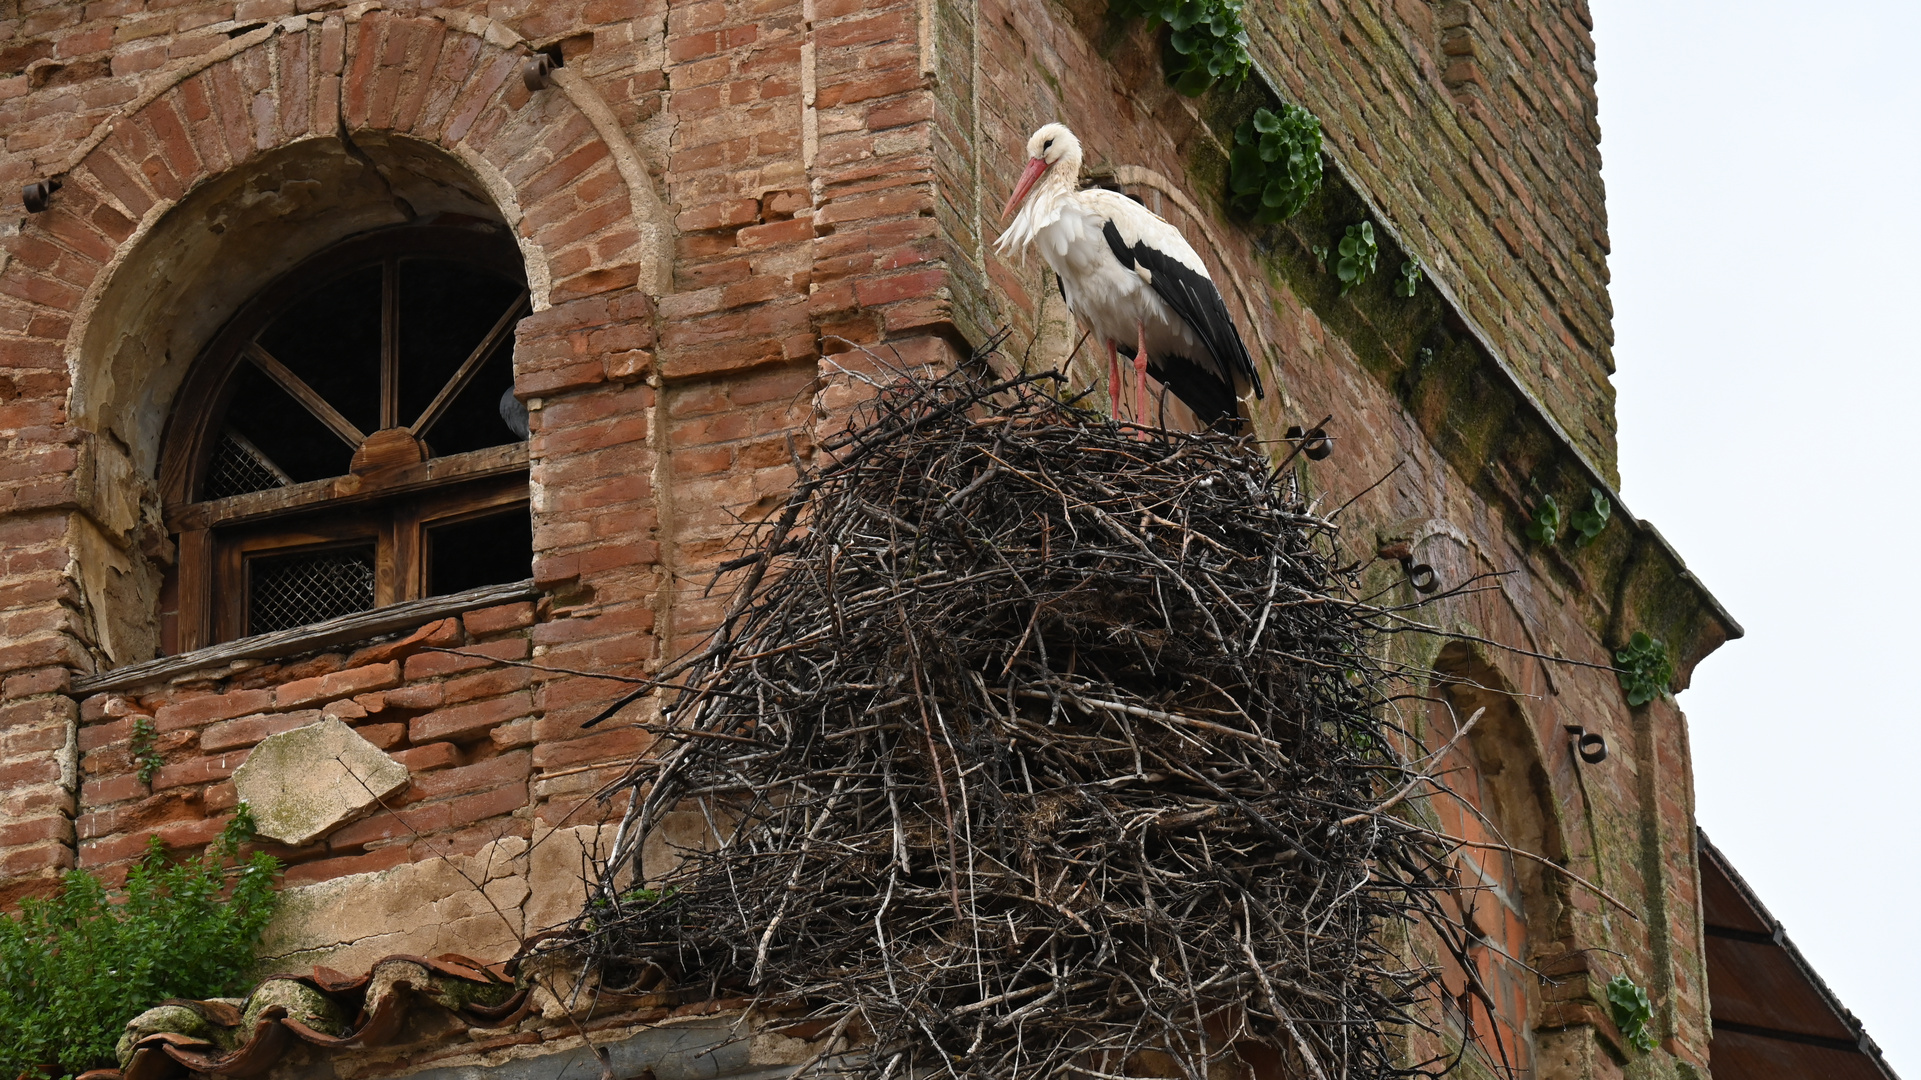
<point x="391" y="495"/>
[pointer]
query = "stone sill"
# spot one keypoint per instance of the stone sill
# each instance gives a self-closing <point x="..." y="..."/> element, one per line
<point x="359" y="626"/>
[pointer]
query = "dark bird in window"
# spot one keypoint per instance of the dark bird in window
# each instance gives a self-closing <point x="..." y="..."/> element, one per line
<point x="513" y="413"/>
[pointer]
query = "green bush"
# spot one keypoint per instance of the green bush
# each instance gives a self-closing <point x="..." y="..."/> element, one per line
<point x="1208" y="43"/>
<point x="76" y="967"/>
<point x="1276" y="164"/>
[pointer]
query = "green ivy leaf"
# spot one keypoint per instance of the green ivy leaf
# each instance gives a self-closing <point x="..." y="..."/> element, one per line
<point x="1546" y="526"/>
<point x="1632" y="1011"/>
<point x="1643" y="668"/>
<point x="1410" y="280"/>
<point x="1592" y="518"/>
<point x="1208" y="43"/>
<point x="1276" y="164"/>
<point x="1359" y="255"/>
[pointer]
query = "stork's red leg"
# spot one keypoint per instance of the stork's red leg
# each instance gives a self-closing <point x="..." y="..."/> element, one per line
<point x="1140" y="373"/>
<point x="1114" y="379"/>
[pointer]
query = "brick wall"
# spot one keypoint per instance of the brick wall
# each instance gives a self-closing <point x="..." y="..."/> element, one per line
<point x="1473" y="122"/>
<point x="464" y="725"/>
<point x="826" y="174"/>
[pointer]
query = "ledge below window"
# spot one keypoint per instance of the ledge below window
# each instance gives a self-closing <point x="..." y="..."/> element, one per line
<point x="346" y="629"/>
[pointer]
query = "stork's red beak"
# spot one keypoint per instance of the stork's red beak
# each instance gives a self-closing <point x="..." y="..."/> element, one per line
<point x="1035" y="167"/>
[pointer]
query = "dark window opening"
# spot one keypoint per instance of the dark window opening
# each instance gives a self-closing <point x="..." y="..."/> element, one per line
<point x="290" y="439"/>
<point x="365" y="402"/>
<point x="239" y="466"/>
<point x="491" y="550"/>
<point x="331" y="339"/>
<point x="297" y="588"/>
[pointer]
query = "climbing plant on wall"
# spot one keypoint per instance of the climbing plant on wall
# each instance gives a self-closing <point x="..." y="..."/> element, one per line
<point x="1359" y="255"/>
<point x="1208" y="42"/>
<point x="1644" y="668"/>
<point x="1276" y="164"/>
<point x="1632" y="1012"/>
<point x="76" y="966"/>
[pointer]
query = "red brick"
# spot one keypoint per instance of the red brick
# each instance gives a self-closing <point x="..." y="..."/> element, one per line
<point x="719" y="215"/>
<point x="466" y="721"/>
<point x="864" y="89"/>
<point x="419" y="696"/>
<point x="510" y="768"/>
<point x="247" y="731"/>
<point x="25" y="862"/>
<point x="34" y="830"/>
<point x="791" y="231"/>
<point x="386" y="858"/>
<point x="112" y="789"/>
<point x="856" y="32"/>
<point x="605" y="746"/>
<point x="384" y="736"/>
<point x="514" y="734"/>
<point x="887" y="290"/>
<point x="43" y="681"/>
<point x="438" y="755"/>
<point x="186" y="833"/>
<point x="200" y="710"/>
<point x="199" y="770"/>
<point x="426" y="665"/>
<point x="486" y="684"/>
<point x="338" y="685"/>
<point x="486" y="804"/>
<point x="597" y="281"/>
<point x="391" y="824"/>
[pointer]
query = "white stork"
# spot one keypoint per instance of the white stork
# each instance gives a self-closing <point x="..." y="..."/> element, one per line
<point x="1132" y="278"/>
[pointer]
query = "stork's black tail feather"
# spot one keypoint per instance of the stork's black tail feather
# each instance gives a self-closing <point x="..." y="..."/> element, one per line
<point x="1201" y="390"/>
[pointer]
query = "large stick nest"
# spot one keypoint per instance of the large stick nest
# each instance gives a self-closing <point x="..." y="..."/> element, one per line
<point x="1034" y="745"/>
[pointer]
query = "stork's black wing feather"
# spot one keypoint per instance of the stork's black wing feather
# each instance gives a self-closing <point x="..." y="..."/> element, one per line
<point x="1203" y="391"/>
<point x="1210" y="396"/>
<point x="1195" y="299"/>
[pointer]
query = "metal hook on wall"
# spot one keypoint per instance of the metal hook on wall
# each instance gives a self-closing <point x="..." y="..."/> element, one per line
<point x="1312" y="442"/>
<point x="1419" y="574"/>
<point x="534" y="73"/>
<point x="1590" y="745"/>
<point x="35" y="195"/>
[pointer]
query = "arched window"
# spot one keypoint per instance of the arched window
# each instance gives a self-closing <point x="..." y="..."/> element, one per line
<point x="350" y="439"/>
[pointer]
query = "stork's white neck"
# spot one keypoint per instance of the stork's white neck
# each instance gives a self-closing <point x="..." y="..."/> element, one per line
<point x="1043" y="204"/>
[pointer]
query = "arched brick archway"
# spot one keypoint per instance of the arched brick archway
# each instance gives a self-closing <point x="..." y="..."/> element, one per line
<point x="1499" y="800"/>
<point x="556" y="162"/>
<point x="428" y="109"/>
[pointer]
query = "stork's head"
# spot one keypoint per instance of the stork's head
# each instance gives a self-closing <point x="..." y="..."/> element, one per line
<point x="1049" y="146"/>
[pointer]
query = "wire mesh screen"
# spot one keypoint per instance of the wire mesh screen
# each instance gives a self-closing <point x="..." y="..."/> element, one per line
<point x="293" y="590"/>
<point x="238" y="468"/>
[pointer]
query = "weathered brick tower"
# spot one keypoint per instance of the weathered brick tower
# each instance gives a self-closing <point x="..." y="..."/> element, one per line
<point x="405" y="365"/>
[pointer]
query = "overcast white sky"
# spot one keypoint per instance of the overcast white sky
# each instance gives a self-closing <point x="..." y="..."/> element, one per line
<point x="1763" y="168"/>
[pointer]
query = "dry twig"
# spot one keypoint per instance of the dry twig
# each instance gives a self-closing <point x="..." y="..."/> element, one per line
<point x="1025" y="750"/>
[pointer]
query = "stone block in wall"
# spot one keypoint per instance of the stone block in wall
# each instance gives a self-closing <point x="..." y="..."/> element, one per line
<point x="468" y="904"/>
<point x="303" y="784"/>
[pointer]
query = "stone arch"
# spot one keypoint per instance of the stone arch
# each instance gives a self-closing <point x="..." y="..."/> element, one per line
<point x="556" y="162"/>
<point x="1501" y="794"/>
<point x="307" y="129"/>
